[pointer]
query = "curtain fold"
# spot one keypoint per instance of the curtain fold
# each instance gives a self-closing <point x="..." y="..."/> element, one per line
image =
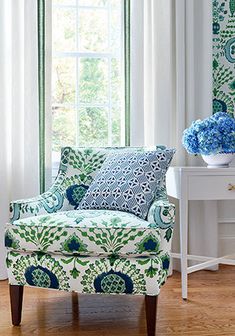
<point x="19" y="173"/>
<point x="171" y="83"/>
<point x="171" y="48"/>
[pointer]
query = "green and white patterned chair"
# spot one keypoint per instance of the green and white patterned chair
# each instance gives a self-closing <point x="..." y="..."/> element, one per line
<point x="52" y="244"/>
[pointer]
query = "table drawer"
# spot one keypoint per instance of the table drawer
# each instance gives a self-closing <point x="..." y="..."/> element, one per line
<point x="211" y="187"/>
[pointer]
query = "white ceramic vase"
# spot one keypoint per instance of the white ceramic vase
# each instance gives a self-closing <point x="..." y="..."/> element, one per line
<point x="220" y="160"/>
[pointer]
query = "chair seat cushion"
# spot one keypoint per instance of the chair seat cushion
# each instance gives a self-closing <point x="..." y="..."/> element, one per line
<point x="84" y="232"/>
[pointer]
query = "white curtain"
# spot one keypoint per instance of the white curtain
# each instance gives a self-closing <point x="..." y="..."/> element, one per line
<point x="171" y="72"/>
<point x="19" y="107"/>
<point x="171" y="60"/>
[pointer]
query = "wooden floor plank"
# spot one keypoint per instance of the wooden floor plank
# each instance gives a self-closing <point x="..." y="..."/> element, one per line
<point x="209" y="311"/>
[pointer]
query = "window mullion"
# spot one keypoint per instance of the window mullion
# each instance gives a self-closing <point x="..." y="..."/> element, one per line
<point x="84" y="54"/>
<point x="62" y="6"/>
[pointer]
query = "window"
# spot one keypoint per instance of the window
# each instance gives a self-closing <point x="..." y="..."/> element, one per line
<point x="87" y="74"/>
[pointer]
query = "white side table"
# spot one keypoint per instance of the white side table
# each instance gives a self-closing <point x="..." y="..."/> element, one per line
<point x="198" y="183"/>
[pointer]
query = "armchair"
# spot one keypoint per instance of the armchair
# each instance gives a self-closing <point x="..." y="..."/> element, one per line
<point x="53" y="244"/>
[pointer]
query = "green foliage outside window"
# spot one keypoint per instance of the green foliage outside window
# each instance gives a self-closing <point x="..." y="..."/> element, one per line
<point x="87" y="73"/>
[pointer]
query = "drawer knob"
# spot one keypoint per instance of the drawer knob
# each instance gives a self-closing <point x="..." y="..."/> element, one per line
<point x="231" y="186"/>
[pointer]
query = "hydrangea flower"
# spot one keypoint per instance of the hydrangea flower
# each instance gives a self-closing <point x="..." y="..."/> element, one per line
<point x="212" y="135"/>
<point x="190" y="141"/>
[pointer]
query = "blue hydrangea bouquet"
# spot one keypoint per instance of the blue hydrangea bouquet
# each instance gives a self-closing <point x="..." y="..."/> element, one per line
<point x="213" y="137"/>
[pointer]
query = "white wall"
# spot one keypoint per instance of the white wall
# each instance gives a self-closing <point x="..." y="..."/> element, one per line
<point x="226" y="222"/>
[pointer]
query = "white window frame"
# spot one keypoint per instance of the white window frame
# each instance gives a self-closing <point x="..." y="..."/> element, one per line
<point x="50" y="163"/>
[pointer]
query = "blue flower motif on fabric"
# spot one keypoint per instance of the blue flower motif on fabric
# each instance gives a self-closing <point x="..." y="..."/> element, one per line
<point x="165" y="262"/>
<point x="219" y="14"/>
<point x="164" y="217"/>
<point x="75" y="194"/>
<point x="219" y="106"/>
<point x="10" y="241"/>
<point x="57" y="203"/>
<point x="73" y="245"/>
<point x="41" y="277"/>
<point x="113" y="282"/>
<point x="150" y="243"/>
<point x="229" y="50"/>
<point x="216" y="28"/>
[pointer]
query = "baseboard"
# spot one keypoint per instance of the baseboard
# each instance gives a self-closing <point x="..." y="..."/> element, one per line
<point x="226" y="236"/>
<point x="226" y="245"/>
<point x="226" y="220"/>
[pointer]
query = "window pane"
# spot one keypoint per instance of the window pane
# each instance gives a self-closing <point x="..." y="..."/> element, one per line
<point x="93" y="125"/>
<point x="93" y="30"/>
<point x="116" y="29"/>
<point x="116" y="81"/>
<point x="64" y="32"/>
<point x="87" y="74"/>
<point x="116" y="126"/>
<point x="64" y="2"/>
<point x="64" y="80"/>
<point x="93" y="80"/>
<point x="63" y="132"/>
<point x="93" y="3"/>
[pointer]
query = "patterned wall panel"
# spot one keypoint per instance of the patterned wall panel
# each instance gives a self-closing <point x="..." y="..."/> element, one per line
<point x="224" y="56"/>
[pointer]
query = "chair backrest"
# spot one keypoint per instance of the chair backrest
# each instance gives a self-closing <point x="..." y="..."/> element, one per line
<point x="79" y="166"/>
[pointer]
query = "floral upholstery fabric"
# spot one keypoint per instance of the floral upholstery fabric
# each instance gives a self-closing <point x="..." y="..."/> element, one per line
<point x="88" y="274"/>
<point x="52" y="245"/>
<point x="85" y="232"/>
<point x="78" y="167"/>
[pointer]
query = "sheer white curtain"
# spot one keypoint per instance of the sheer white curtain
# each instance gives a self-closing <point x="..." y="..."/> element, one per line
<point x="171" y="59"/>
<point x="171" y="72"/>
<point x="19" y="107"/>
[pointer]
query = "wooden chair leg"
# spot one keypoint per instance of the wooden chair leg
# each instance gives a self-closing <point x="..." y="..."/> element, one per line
<point x="75" y="306"/>
<point x="151" y="313"/>
<point x="16" y="296"/>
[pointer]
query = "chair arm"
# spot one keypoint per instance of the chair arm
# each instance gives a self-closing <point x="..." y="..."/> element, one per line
<point x="162" y="215"/>
<point x="48" y="202"/>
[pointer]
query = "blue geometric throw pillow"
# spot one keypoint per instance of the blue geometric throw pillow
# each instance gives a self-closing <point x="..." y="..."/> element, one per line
<point x="128" y="182"/>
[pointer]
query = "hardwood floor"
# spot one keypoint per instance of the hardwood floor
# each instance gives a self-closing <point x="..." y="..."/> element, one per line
<point x="210" y="310"/>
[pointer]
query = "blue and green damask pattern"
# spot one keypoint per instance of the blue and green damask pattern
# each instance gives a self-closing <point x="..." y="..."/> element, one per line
<point x="88" y="232"/>
<point x="104" y="251"/>
<point x="78" y="167"/>
<point x="52" y="244"/>
<point x="90" y="274"/>
<point x="224" y="56"/>
<point x="36" y="269"/>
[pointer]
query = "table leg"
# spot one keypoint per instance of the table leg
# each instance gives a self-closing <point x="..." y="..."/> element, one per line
<point x="211" y="231"/>
<point x="184" y="245"/>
